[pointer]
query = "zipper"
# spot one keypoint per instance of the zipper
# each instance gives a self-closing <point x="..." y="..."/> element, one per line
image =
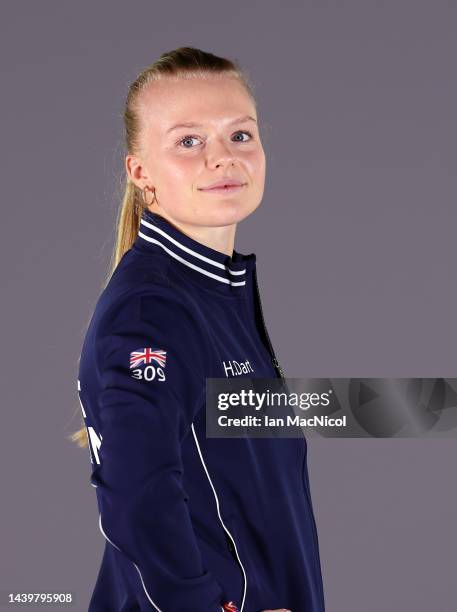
<point x="273" y="357"/>
<point x="280" y="373"/>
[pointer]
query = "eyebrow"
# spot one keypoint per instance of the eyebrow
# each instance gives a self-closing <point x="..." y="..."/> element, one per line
<point x="189" y="124"/>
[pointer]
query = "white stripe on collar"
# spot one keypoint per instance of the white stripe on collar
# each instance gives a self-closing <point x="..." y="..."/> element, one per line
<point x="191" y="252"/>
<point x="193" y="266"/>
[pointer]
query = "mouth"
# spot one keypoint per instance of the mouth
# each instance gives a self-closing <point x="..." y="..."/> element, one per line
<point x="224" y="189"/>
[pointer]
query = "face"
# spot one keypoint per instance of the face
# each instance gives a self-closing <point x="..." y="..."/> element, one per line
<point x="179" y="161"/>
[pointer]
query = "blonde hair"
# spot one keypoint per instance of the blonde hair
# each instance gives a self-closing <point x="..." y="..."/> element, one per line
<point x="184" y="62"/>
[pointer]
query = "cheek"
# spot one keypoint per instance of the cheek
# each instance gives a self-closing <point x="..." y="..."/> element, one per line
<point x="255" y="160"/>
<point x="179" y="173"/>
<point x="178" y="185"/>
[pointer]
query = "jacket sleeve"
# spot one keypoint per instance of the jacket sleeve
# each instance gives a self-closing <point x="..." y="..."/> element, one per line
<point x="151" y="385"/>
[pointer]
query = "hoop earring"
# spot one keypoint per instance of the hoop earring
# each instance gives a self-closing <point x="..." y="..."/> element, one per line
<point x="139" y="207"/>
<point x="144" y="198"/>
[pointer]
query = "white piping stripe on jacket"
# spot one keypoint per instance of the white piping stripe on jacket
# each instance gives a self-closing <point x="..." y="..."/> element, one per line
<point x="184" y="261"/>
<point x="79" y="398"/>
<point x="136" y="566"/>
<point x="188" y="250"/>
<point x="220" y="518"/>
<point x="87" y="433"/>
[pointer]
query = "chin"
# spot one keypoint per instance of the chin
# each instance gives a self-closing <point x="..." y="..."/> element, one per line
<point x="228" y="213"/>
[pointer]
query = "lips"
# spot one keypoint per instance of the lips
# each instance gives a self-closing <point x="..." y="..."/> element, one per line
<point x="222" y="184"/>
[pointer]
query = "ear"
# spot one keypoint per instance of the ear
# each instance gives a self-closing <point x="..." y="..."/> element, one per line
<point x="136" y="171"/>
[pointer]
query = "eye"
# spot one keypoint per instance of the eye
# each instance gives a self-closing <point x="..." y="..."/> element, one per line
<point x="189" y="137"/>
<point x="244" y="132"/>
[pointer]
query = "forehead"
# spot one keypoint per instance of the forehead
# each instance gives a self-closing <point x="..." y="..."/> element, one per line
<point x="196" y="99"/>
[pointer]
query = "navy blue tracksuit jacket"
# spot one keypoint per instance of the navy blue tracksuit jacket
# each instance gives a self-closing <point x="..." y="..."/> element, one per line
<point x="190" y="523"/>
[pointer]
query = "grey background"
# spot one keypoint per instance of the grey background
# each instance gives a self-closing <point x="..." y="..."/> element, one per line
<point x="356" y="248"/>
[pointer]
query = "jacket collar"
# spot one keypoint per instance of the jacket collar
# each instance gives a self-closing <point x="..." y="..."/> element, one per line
<point x="207" y="266"/>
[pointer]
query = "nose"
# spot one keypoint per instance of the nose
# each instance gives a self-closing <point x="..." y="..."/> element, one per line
<point x="220" y="153"/>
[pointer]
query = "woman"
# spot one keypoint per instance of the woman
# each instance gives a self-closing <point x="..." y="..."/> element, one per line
<point x="191" y="523"/>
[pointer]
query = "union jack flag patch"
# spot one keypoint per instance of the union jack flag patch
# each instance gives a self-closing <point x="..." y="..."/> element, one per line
<point x="147" y="355"/>
<point x="230" y="606"/>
